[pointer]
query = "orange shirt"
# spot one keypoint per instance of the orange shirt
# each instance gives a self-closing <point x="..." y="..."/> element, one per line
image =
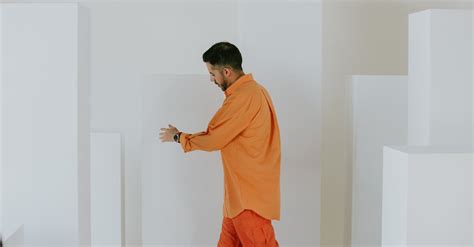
<point x="245" y="130"/>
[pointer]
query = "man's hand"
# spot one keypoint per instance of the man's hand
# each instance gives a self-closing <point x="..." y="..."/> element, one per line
<point x="167" y="134"/>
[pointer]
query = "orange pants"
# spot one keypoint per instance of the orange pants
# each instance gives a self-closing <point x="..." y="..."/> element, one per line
<point x="248" y="229"/>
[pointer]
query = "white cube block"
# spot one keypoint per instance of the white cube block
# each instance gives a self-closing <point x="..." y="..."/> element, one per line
<point x="14" y="236"/>
<point x="45" y="128"/>
<point x="440" y="78"/>
<point x="378" y="118"/>
<point x="427" y="196"/>
<point x="106" y="189"/>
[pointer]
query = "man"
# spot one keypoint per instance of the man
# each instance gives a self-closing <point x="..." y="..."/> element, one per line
<point x="245" y="130"/>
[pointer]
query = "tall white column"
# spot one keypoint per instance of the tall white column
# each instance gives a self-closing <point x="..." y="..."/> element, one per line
<point x="472" y="137"/>
<point x="1" y="127"/>
<point x="106" y="193"/>
<point x="440" y="78"/>
<point x="45" y="132"/>
<point x="378" y="117"/>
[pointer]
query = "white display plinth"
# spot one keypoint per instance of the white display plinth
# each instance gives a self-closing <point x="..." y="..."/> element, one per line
<point x="378" y="117"/>
<point x="106" y="189"/>
<point x="440" y="78"/>
<point x="427" y="195"/>
<point x="45" y="122"/>
<point x="14" y="237"/>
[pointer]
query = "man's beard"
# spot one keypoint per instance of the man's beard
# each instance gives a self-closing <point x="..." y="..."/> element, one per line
<point x="223" y="86"/>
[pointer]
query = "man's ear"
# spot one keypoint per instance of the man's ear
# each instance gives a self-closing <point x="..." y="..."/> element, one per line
<point x="227" y="71"/>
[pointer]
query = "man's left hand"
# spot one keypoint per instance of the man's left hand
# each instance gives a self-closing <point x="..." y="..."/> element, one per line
<point x="167" y="134"/>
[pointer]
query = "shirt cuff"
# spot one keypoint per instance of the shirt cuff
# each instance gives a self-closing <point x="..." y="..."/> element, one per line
<point x="183" y="140"/>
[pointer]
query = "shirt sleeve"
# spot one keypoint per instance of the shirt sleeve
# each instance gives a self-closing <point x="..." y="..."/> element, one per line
<point x="234" y="116"/>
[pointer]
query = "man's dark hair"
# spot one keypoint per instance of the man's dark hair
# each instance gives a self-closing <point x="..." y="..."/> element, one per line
<point x="223" y="54"/>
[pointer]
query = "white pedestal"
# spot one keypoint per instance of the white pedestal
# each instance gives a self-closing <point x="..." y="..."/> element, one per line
<point x="14" y="237"/>
<point x="106" y="189"/>
<point x="440" y="78"/>
<point x="472" y="137"/>
<point x="45" y="114"/>
<point x="1" y="127"/>
<point x="427" y="195"/>
<point x="379" y="117"/>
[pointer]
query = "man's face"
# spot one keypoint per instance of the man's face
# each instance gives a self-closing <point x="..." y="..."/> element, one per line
<point x="217" y="76"/>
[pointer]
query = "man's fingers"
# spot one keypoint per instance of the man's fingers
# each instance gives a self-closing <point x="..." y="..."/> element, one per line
<point x="166" y="133"/>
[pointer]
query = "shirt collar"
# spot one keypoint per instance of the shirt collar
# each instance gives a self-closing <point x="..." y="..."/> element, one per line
<point x="238" y="83"/>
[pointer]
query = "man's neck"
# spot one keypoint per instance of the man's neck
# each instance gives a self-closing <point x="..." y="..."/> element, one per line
<point x="237" y="77"/>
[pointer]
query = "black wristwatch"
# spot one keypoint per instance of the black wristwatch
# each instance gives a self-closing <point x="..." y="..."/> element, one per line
<point x="177" y="136"/>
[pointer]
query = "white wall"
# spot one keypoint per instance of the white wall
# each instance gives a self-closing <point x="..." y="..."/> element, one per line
<point x="169" y="38"/>
<point x="281" y="43"/>
<point x="155" y="38"/>
<point x="45" y="123"/>
<point x="182" y="193"/>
